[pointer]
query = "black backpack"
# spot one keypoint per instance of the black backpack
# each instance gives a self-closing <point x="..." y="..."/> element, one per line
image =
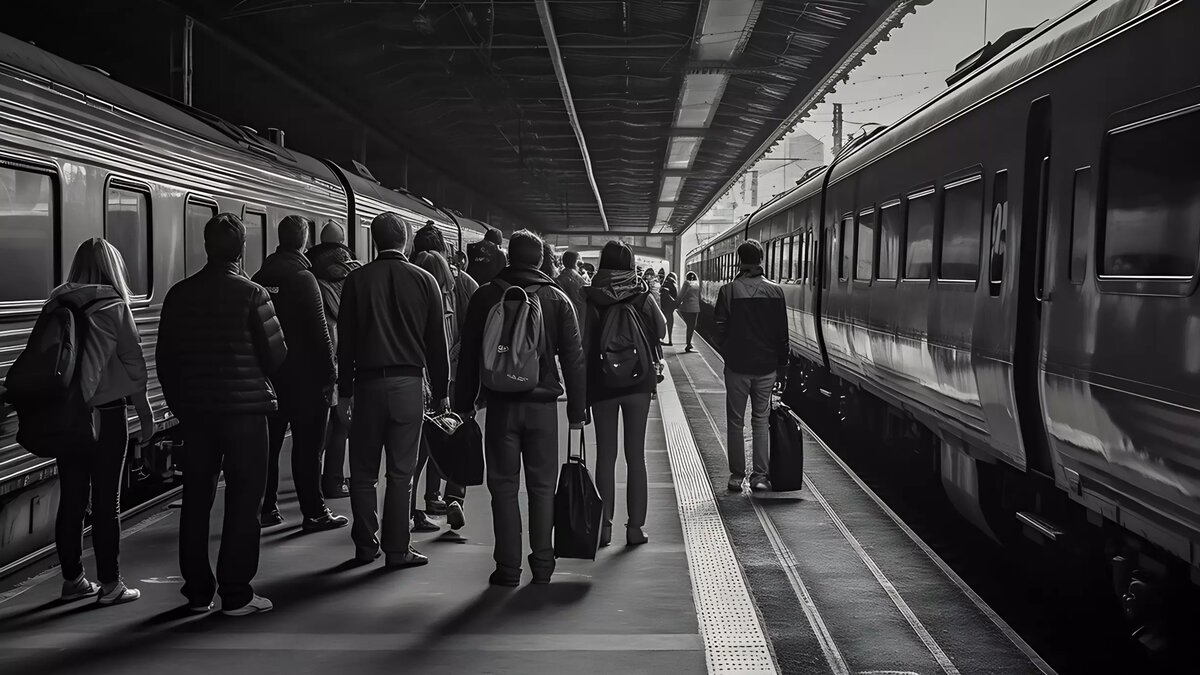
<point x="626" y="355"/>
<point x="43" y="384"/>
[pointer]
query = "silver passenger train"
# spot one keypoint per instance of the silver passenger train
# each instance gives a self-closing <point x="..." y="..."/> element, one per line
<point x="83" y="156"/>
<point x="1011" y="271"/>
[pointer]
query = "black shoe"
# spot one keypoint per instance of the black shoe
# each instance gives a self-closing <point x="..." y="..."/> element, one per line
<point x="734" y="484"/>
<point x="760" y="485"/>
<point x="689" y="349"/>
<point x="542" y="576"/>
<point x="270" y="518"/>
<point x="455" y="517"/>
<point x="422" y="523"/>
<point x="411" y="559"/>
<point x="436" y="505"/>
<point x="362" y="559"/>
<point x="502" y="578"/>
<point x="325" y="521"/>
<point x="605" y="535"/>
<point x="335" y="489"/>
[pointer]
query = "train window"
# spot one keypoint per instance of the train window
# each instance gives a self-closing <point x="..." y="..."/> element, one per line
<point x="999" y="232"/>
<point x="918" y="240"/>
<point x="962" y="221"/>
<point x="793" y="273"/>
<point x="196" y="216"/>
<point x="846" y="247"/>
<point x="1152" y="207"/>
<point x="891" y="225"/>
<point x="127" y="227"/>
<point x="864" y="262"/>
<point x="27" y="242"/>
<point x="256" y="243"/>
<point x="1081" y="221"/>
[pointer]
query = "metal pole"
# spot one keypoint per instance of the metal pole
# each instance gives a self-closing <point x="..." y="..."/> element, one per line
<point x="188" y="24"/>
<point x="837" y="128"/>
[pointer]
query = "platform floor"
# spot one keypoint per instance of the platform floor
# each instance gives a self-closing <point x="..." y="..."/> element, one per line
<point x="819" y="581"/>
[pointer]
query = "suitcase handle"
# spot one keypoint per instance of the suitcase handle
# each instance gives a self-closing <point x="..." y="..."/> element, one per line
<point x="582" y="458"/>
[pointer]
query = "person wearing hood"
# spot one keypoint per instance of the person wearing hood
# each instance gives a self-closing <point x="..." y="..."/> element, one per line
<point x="522" y="428"/>
<point x="751" y="332"/>
<point x="689" y="306"/>
<point x="112" y="372"/>
<point x="486" y="258"/>
<point x="332" y="261"/>
<point x="652" y="281"/>
<point x="616" y="283"/>
<point x="305" y="383"/>
<point x="669" y="299"/>
<point x="219" y="343"/>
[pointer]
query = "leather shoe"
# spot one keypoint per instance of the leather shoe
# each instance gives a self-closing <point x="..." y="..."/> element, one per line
<point x="422" y="523"/>
<point x="270" y="518"/>
<point x="411" y="559"/>
<point x="335" y="489"/>
<point x="436" y="506"/>
<point x="502" y="578"/>
<point x="323" y="522"/>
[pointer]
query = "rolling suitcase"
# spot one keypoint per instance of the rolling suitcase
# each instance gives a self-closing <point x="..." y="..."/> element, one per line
<point x="786" y="465"/>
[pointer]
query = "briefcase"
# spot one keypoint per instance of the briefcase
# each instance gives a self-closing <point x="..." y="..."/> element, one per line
<point x="578" y="509"/>
<point x="786" y="466"/>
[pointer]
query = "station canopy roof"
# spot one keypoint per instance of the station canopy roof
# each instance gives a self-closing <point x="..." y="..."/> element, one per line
<point x="575" y="115"/>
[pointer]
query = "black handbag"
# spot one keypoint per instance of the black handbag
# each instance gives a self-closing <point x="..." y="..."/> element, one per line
<point x="786" y="466"/>
<point x="455" y="447"/>
<point x="578" y="509"/>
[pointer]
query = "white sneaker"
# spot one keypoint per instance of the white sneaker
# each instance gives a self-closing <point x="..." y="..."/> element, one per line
<point x="257" y="605"/>
<point x="79" y="588"/>
<point x="120" y="594"/>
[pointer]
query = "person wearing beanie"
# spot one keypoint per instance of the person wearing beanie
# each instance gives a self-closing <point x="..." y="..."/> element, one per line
<point x="219" y="343"/>
<point x="306" y="381"/>
<point x="616" y="283"/>
<point x="751" y="332"/>
<point x="332" y="261"/>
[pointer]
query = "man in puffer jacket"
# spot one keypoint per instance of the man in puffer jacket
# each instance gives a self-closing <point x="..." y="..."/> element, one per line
<point x="306" y="380"/>
<point x="218" y="342"/>
<point x="332" y="261"/>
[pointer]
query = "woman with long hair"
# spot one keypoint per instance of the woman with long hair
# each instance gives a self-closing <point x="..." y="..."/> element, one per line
<point x="689" y="306"/>
<point x="112" y="375"/>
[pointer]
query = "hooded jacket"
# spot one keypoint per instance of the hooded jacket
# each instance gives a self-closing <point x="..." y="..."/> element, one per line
<point x="669" y="295"/>
<point x="484" y="261"/>
<point x="218" y="343"/>
<point x="297" y="298"/>
<point x="573" y="284"/>
<point x="605" y="292"/>
<point x="689" y="297"/>
<point x="114" y="366"/>
<point x="751" y="314"/>
<point x="561" y="338"/>
<point x="331" y="264"/>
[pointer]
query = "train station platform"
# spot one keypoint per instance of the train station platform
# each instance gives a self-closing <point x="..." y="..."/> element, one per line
<point x="825" y="580"/>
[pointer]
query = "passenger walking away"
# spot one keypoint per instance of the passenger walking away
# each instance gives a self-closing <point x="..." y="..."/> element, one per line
<point x="550" y="266"/>
<point x="621" y="313"/>
<point x="689" y="306"/>
<point x="522" y="419"/>
<point x="750" y="326"/>
<point x="305" y="383"/>
<point x="390" y="336"/>
<point x="332" y="261"/>
<point x="109" y="371"/>
<point x="486" y="258"/>
<point x="218" y="343"/>
<point x="669" y="297"/>
<point x="572" y="283"/>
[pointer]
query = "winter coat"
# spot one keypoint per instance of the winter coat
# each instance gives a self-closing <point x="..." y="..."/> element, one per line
<point x="750" y="324"/>
<point x="602" y="294"/>
<point x="689" y="297"/>
<point x="669" y="296"/>
<point x="297" y="299"/>
<point x="219" y="342"/>
<point x="331" y="264"/>
<point x="572" y="284"/>
<point x="114" y="366"/>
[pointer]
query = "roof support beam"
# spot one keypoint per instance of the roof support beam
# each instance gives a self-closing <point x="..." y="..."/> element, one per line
<point x="560" y="72"/>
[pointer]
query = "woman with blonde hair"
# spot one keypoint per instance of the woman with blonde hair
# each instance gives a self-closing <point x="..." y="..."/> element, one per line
<point x="113" y="373"/>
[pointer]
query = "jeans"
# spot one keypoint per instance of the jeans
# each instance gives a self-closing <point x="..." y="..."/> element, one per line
<point x="237" y="445"/>
<point x="334" y="472"/>
<point x="519" y="433"/>
<point x="757" y="388"/>
<point x="307" y="414"/>
<point x="385" y="425"/>
<point x="635" y="408"/>
<point x="93" y="471"/>
<point x="690" y="318"/>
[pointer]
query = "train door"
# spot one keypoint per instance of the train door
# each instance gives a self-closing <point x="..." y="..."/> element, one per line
<point x="1031" y="287"/>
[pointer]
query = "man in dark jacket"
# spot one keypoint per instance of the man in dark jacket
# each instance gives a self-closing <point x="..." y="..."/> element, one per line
<point x="486" y="258"/>
<point x="390" y="334"/>
<point x="332" y="261"/>
<point x="522" y="428"/>
<point x="218" y="342"/>
<point x="751" y="331"/>
<point x="305" y="382"/>
<point x="572" y="282"/>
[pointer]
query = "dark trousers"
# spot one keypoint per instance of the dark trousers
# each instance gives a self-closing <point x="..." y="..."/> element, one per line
<point x="334" y="472"/>
<point x="519" y="433"/>
<point x="237" y="445"/>
<point x="93" y="471"/>
<point x="433" y="481"/>
<point x="670" y="316"/>
<point x="690" y="318"/>
<point x="634" y="410"/>
<point x="386" y="424"/>
<point x="307" y="414"/>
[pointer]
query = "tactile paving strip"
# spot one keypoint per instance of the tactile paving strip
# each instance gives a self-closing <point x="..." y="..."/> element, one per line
<point x="733" y="636"/>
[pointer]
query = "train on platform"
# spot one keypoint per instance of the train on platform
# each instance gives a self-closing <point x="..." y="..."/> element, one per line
<point x="82" y="155"/>
<point x="1006" y="279"/>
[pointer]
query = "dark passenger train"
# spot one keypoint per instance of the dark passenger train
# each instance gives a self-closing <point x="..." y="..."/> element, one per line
<point x="83" y="156"/>
<point x="1010" y="271"/>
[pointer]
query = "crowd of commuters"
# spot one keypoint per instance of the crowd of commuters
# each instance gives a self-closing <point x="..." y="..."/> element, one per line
<point x="336" y="350"/>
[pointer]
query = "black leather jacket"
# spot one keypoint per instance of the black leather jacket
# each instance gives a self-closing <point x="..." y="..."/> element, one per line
<point x="218" y="343"/>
